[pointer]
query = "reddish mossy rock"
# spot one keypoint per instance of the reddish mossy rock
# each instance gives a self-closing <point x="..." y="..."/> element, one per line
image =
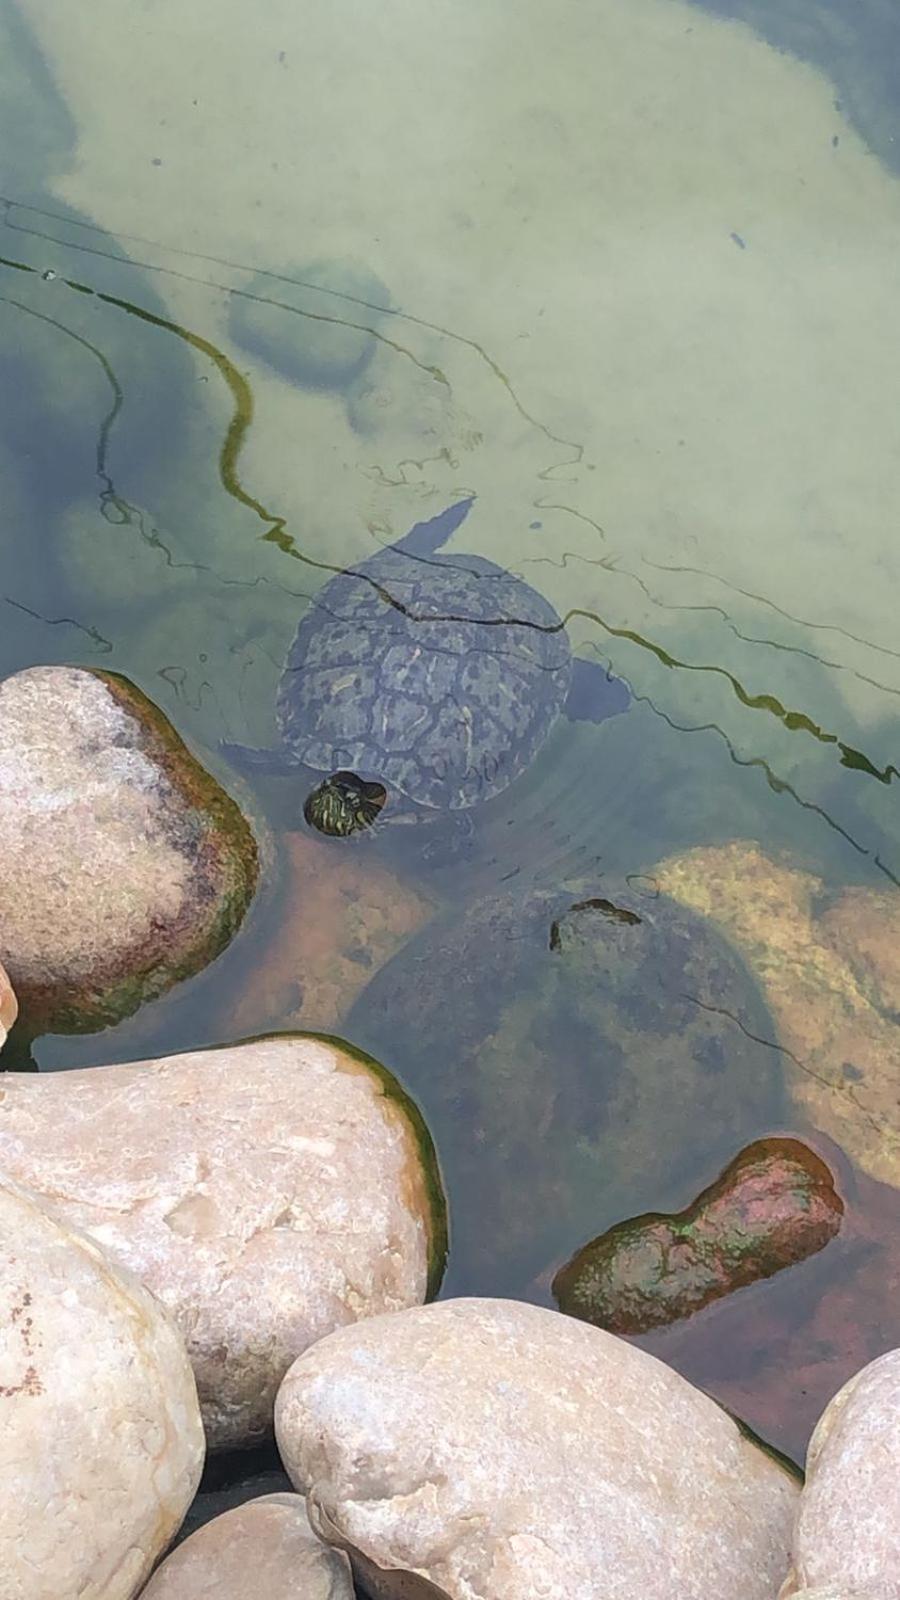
<point x="124" y="866"/>
<point x="774" y="1205"/>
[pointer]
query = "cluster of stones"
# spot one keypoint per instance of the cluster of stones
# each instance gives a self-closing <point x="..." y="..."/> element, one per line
<point x="201" y="1249"/>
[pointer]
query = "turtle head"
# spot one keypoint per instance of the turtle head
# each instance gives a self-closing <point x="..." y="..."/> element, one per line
<point x="343" y="804"/>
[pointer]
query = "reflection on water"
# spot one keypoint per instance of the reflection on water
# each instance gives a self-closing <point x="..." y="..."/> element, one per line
<point x="255" y="337"/>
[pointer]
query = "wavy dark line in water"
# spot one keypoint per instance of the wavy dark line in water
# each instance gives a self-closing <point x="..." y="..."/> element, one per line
<point x="611" y="564"/>
<point x="835" y="1086"/>
<point x="779" y="786"/>
<point x="748" y="594"/>
<point x="300" y="283"/>
<point x="771" y="644"/>
<point x="794" y="721"/>
<point x="58" y="622"/>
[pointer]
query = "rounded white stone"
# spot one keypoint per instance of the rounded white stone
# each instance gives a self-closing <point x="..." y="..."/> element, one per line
<point x="266" y="1192"/>
<point x="101" y="1443"/>
<point x="265" y="1547"/>
<point x="495" y="1449"/>
<point x="847" y="1533"/>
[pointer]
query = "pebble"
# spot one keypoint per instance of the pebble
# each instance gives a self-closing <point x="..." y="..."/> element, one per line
<point x="498" y="1449"/>
<point x="123" y="865"/>
<point x="265" y="1547"/>
<point x="266" y="1192"/>
<point x="101" y="1443"/>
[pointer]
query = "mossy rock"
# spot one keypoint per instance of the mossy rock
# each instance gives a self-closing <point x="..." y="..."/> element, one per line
<point x="573" y="1061"/>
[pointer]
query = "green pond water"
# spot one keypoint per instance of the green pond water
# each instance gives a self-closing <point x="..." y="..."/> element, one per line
<point x="275" y="287"/>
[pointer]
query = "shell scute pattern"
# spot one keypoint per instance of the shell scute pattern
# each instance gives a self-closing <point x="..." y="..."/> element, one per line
<point x="441" y="677"/>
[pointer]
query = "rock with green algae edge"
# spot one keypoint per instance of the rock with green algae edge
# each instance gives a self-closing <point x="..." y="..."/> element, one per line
<point x="124" y="867"/>
<point x="565" y="1056"/>
<point x="827" y="963"/>
<point x="267" y="1192"/>
<point x="774" y="1205"/>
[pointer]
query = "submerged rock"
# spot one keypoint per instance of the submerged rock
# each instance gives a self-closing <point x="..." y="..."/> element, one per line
<point x="315" y="322"/>
<point x="124" y="867"/>
<point x="486" y="1447"/>
<point x="828" y="968"/>
<point x="9" y="1006"/>
<point x="847" y="1532"/>
<point x="343" y="915"/>
<point x="266" y="1192"/>
<point x="567" y="1057"/>
<point x="101" y="1444"/>
<point x="265" y="1547"/>
<point x="773" y="1206"/>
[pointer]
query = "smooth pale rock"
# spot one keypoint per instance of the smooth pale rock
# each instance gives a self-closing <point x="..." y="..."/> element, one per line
<point x="495" y="1449"/>
<point x="847" y="1532"/>
<point x="9" y="1006"/>
<point x="828" y="972"/>
<point x="101" y="1444"/>
<point x="123" y="865"/>
<point x="843" y="1593"/>
<point x="265" y="1547"/>
<point x="266" y="1192"/>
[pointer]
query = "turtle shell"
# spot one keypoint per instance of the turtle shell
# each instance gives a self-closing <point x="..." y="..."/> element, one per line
<point x="440" y="675"/>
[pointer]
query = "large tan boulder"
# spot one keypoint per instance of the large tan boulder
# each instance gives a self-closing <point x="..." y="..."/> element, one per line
<point x="101" y="1444"/>
<point x="123" y="865"/>
<point x="827" y="967"/>
<point x="265" y="1548"/>
<point x="266" y="1192"/>
<point x="9" y="1006"/>
<point x="492" y="1448"/>
<point x="847" y="1533"/>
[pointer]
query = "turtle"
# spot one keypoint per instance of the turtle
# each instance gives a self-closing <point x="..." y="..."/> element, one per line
<point x="424" y="683"/>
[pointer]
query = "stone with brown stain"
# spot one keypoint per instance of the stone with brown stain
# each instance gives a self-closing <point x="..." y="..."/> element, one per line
<point x="101" y="1443"/>
<point x="342" y="917"/>
<point x="828" y="967"/>
<point x="123" y="865"/>
<point x="266" y="1192"/>
<point x="774" y="1205"/>
<point x="265" y="1547"/>
<point x="493" y="1448"/>
<point x="9" y="1006"/>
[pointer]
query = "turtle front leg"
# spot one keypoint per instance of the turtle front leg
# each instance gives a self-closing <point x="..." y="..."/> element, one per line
<point x="594" y="694"/>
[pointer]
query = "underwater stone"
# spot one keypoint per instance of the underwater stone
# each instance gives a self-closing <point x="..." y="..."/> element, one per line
<point x="265" y="1547"/>
<point x="266" y="1192"/>
<point x="101" y="1445"/>
<point x="314" y="323"/>
<point x="9" y="1006"/>
<point x="498" y="1449"/>
<point x="827" y="965"/>
<point x="124" y="867"/>
<point x="343" y="915"/>
<point x="773" y="1206"/>
<point x="549" y="1043"/>
<point x="847" y="1531"/>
